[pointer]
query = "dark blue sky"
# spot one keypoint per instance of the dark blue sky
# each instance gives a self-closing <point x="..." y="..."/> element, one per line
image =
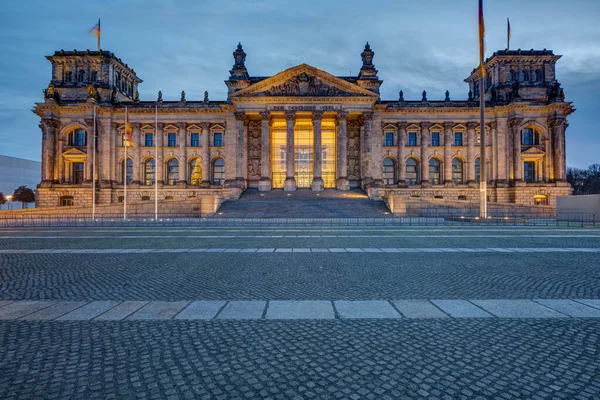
<point x="186" y="45"/>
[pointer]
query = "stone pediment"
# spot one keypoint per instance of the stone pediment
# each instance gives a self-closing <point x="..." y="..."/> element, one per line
<point x="303" y="81"/>
<point x="533" y="151"/>
<point x="74" y="154"/>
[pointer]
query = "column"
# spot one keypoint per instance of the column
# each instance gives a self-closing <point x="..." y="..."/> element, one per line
<point x="290" y="181"/>
<point x="494" y="151"/>
<point x="182" y="138"/>
<point x="317" y="182"/>
<point x="366" y="149"/>
<point x="448" y="125"/>
<point x="549" y="159"/>
<point x="104" y="151"/>
<point x="264" y="185"/>
<point x="136" y="150"/>
<point x="61" y="160"/>
<point x="89" y="149"/>
<point x="342" y="152"/>
<point x="159" y="162"/>
<point x="424" y="152"/>
<point x="471" y="152"/>
<point x="49" y="131"/>
<point x="514" y="125"/>
<point x="558" y="127"/>
<point x="114" y="142"/>
<point x="402" y="153"/>
<point x="240" y="120"/>
<point x="205" y="154"/>
<point x="502" y="156"/>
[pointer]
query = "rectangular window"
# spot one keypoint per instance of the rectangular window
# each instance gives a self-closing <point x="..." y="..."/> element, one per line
<point x="529" y="171"/>
<point x="195" y="140"/>
<point x="528" y="137"/>
<point x="458" y="138"/>
<point x="218" y="140"/>
<point x="435" y="139"/>
<point x="389" y="138"/>
<point x="412" y="138"/>
<point x="172" y="140"/>
<point x="77" y="172"/>
<point x="149" y="140"/>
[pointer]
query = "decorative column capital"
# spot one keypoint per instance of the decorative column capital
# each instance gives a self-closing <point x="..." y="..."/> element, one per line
<point x="425" y="125"/>
<point x="136" y="126"/>
<point x="449" y="125"/>
<point x="493" y="125"/>
<point x="317" y="115"/>
<point x="472" y="125"/>
<point x="265" y="115"/>
<point x="402" y="125"/>
<point x="514" y="123"/>
<point x="182" y="125"/>
<point x="368" y="116"/>
<point x="556" y="121"/>
<point x="159" y="126"/>
<point x="342" y="115"/>
<point x="204" y="125"/>
<point x="239" y="116"/>
<point x="290" y="116"/>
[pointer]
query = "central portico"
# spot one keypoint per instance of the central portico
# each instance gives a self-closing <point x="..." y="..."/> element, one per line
<point x="303" y="137"/>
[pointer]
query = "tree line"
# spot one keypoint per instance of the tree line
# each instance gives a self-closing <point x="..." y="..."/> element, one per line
<point x="22" y="194"/>
<point x="584" y="181"/>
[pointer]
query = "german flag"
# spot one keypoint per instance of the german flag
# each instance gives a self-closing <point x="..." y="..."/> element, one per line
<point x="481" y="39"/>
<point x="96" y="31"/>
<point x="128" y="130"/>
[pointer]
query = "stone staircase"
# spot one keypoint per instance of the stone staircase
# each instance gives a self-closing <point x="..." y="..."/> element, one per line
<point x="303" y="203"/>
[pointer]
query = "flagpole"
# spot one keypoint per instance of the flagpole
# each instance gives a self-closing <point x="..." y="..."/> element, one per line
<point x="94" y="170"/>
<point x="508" y="34"/>
<point x="156" y="163"/>
<point x="482" y="159"/>
<point x="125" y="168"/>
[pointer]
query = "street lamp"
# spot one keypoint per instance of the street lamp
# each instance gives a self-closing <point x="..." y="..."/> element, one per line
<point x="9" y="198"/>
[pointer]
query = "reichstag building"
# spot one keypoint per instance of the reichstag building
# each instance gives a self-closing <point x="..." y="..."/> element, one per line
<point x="302" y="128"/>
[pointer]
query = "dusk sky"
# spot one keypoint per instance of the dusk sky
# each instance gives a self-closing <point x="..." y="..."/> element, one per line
<point x="186" y="45"/>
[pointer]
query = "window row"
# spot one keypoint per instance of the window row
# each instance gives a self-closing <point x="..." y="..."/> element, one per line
<point x="81" y="76"/>
<point x="413" y="175"/>
<point x="172" y="168"/>
<point x="390" y="139"/>
<point x="526" y="76"/>
<point x="217" y="139"/>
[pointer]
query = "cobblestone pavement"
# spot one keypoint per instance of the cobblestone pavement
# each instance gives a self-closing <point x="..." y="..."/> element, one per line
<point x="529" y="347"/>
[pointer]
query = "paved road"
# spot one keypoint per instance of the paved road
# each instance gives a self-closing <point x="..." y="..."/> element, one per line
<point x="202" y="313"/>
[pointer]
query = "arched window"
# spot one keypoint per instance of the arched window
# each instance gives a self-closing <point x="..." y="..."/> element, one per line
<point x="129" y="169"/>
<point x="218" y="171"/>
<point x="94" y="76"/>
<point x="525" y="75"/>
<point x="389" y="171"/>
<point x="434" y="171"/>
<point x="457" y="171"/>
<point x="530" y="137"/>
<point x="81" y="76"/>
<point x="512" y="76"/>
<point x="538" y="75"/>
<point x="195" y="174"/>
<point x="149" y="172"/>
<point x="412" y="171"/>
<point x="68" y="76"/>
<point x="77" y="138"/>
<point x="172" y="171"/>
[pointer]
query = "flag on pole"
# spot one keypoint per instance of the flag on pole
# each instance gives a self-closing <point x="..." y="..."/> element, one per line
<point x="508" y="34"/>
<point x="481" y="39"/>
<point x="96" y="31"/>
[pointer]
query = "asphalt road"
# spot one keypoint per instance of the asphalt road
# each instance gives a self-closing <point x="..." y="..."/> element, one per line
<point x="362" y="358"/>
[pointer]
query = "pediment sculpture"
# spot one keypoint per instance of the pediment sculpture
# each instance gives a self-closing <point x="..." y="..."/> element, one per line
<point x="305" y="85"/>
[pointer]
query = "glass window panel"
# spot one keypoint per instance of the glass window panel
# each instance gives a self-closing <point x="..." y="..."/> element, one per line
<point x="172" y="140"/>
<point x="435" y="139"/>
<point x="389" y="171"/>
<point x="458" y="138"/>
<point x="149" y="139"/>
<point x="218" y="140"/>
<point x="389" y="138"/>
<point x="412" y="171"/>
<point x="434" y="171"/>
<point x="172" y="171"/>
<point x="457" y="171"/>
<point x="149" y="172"/>
<point x="129" y="170"/>
<point x="278" y="155"/>
<point x="304" y="149"/>
<point x="218" y="171"/>
<point x="195" y="140"/>
<point x="78" y="172"/>
<point x="529" y="171"/>
<point x="412" y="138"/>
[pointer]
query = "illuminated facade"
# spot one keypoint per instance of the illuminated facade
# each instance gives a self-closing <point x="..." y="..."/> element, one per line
<point x="303" y="128"/>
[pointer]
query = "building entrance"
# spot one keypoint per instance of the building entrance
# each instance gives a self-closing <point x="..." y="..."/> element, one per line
<point x="304" y="153"/>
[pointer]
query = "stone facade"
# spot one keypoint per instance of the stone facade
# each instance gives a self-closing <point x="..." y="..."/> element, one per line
<point x="302" y="128"/>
